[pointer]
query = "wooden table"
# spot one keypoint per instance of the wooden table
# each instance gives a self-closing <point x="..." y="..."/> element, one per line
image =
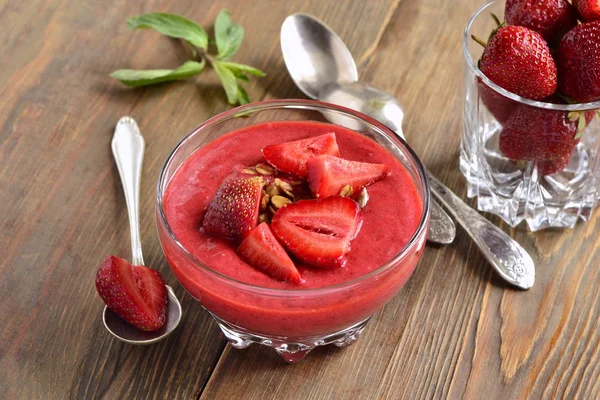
<point x="455" y="330"/>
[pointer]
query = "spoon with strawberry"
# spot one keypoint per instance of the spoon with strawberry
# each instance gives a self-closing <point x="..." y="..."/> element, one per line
<point x="140" y="308"/>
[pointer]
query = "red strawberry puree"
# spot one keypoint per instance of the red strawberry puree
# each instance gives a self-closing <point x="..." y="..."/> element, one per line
<point x="391" y="218"/>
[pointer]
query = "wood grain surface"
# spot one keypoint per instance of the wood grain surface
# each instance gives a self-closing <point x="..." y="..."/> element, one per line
<point x="454" y="331"/>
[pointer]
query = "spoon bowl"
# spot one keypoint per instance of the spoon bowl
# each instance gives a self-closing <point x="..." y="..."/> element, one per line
<point x="127" y="333"/>
<point x="314" y="54"/>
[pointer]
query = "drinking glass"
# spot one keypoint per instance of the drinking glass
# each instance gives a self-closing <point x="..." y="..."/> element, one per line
<point x="525" y="160"/>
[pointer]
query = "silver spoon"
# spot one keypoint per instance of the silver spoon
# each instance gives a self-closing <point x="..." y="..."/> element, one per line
<point x="317" y="59"/>
<point x="128" y="150"/>
<point x="509" y="259"/>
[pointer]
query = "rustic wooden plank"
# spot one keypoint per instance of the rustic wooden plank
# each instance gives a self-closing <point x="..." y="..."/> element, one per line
<point x="455" y="330"/>
<point x="63" y="210"/>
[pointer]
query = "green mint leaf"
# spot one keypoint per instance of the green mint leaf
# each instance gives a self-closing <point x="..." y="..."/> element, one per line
<point x="173" y="26"/>
<point x="229" y="36"/>
<point x="239" y="68"/>
<point x="229" y="82"/>
<point x="240" y="75"/>
<point x="242" y="96"/>
<point x="137" y="78"/>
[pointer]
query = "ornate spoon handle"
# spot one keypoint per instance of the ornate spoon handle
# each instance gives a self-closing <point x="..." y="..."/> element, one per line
<point x="507" y="257"/>
<point x="128" y="149"/>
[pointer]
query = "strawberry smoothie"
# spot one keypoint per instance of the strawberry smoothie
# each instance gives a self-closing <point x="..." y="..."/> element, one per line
<point x="326" y="300"/>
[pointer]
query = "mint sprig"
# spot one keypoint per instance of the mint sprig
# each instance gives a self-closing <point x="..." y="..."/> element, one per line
<point x="228" y="40"/>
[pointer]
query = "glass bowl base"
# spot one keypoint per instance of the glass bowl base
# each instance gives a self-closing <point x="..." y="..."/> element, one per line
<point x="292" y="351"/>
<point x="519" y="193"/>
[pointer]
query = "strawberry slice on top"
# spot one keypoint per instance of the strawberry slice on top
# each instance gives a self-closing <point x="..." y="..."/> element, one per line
<point x="263" y="251"/>
<point x="291" y="157"/>
<point x="319" y="231"/>
<point x="233" y="212"/>
<point x="331" y="176"/>
<point x="137" y="294"/>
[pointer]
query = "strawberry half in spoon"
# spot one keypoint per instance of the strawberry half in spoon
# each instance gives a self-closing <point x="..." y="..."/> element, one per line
<point x="319" y="231"/>
<point x="291" y="157"/>
<point x="137" y="294"/>
<point x="331" y="176"/>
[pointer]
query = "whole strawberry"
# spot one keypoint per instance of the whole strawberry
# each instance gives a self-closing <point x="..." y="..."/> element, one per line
<point x="578" y="62"/>
<point x="499" y="106"/>
<point x="539" y="134"/>
<point x="519" y="60"/>
<point x="549" y="167"/>
<point x="550" y="18"/>
<point x="589" y="10"/>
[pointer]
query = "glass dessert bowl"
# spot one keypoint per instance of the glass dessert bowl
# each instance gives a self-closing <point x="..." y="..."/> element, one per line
<point x="329" y="305"/>
<point x="525" y="160"/>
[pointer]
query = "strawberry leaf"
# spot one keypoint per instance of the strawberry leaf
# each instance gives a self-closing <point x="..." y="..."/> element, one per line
<point x="581" y="125"/>
<point x="137" y="78"/>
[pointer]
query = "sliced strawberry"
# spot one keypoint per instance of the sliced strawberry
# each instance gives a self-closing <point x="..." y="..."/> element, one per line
<point x="329" y="175"/>
<point x="137" y="294"/>
<point x="319" y="231"/>
<point x="263" y="251"/>
<point x="233" y="212"/>
<point x="291" y="157"/>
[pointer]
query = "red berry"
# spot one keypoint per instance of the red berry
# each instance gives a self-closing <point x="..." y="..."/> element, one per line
<point x="291" y="157"/>
<point x="263" y="251"/>
<point x="549" y="167"/>
<point x="519" y="60"/>
<point x="499" y="106"/>
<point x="550" y="18"/>
<point x="137" y="294"/>
<point x="319" y="231"/>
<point x="589" y="10"/>
<point x="537" y="134"/>
<point x="328" y="175"/>
<point x="578" y="61"/>
<point x="233" y="212"/>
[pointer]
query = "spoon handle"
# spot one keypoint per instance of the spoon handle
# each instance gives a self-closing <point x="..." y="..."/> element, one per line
<point x="507" y="257"/>
<point x="128" y="150"/>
